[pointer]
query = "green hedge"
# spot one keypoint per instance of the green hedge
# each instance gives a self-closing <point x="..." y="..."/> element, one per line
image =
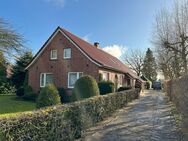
<point x="63" y="122"/>
<point x="106" y="87"/>
<point x="124" y="88"/>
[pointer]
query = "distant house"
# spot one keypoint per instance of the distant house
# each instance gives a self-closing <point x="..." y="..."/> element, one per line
<point x="65" y="57"/>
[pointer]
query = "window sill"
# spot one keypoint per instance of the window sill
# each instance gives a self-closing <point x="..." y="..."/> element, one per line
<point x="66" y="58"/>
<point x="52" y="59"/>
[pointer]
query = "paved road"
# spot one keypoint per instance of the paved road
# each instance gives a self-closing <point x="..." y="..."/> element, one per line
<point x="146" y="119"/>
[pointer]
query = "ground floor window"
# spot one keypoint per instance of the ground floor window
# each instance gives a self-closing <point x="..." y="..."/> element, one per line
<point x="105" y="76"/>
<point x="128" y="82"/>
<point x="120" y="80"/>
<point x="46" y="79"/>
<point x="72" y="77"/>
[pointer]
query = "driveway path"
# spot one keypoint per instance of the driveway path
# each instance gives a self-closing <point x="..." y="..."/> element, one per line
<point x="146" y="119"/>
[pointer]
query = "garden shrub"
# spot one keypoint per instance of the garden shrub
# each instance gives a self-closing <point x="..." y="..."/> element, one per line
<point x="64" y="97"/>
<point x="29" y="94"/>
<point x="48" y="96"/>
<point x="7" y="88"/>
<point x="106" y="87"/>
<point x="124" y="88"/>
<point x="63" y="122"/>
<point x="20" y="91"/>
<point x="147" y="85"/>
<point x="85" y="87"/>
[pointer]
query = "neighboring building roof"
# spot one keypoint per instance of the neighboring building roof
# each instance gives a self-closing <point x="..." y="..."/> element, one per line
<point x="97" y="55"/>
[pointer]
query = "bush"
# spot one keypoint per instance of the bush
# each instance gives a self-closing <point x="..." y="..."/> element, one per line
<point x="6" y="88"/>
<point x="48" y="96"/>
<point x="106" y="87"/>
<point x="63" y="122"/>
<point x="29" y="94"/>
<point x="147" y="85"/>
<point x="85" y="87"/>
<point x="124" y="88"/>
<point x="64" y="97"/>
<point x="20" y="91"/>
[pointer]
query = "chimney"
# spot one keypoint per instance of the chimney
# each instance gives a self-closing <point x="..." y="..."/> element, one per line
<point x="96" y="44"/>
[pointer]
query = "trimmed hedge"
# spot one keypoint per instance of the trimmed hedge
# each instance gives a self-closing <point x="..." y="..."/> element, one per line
<point x="106" y="87"/>
<point x="63" y="122"/>
<point x="85" y="87"/>
<point x="124" y="88"/>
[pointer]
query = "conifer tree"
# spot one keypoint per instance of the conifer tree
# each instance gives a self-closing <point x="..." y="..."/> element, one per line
<point x="149" y="66"/>
<point x="18" y="70"/>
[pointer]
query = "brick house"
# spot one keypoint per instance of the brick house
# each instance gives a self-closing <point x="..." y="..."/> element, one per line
<point x="65" y="57"/>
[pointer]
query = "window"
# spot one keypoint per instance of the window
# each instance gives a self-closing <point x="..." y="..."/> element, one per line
<point x="67" y="53"/>
<point x="53" y="54"/>
<point x="105" y="76"/>
<point x="46" y="79"/>
<point x="72" y="77"/>
<point x="128" y="82"/>
<point x="120" y="80"/>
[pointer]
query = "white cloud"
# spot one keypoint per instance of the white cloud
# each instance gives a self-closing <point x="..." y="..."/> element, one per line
<point x="115" y="50"/>
<point x="86" y="37"/>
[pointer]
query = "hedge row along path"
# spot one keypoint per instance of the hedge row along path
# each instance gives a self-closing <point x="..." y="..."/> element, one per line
<point x="147" y="119"/>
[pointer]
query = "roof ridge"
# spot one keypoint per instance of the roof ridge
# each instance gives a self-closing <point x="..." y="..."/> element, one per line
<point x="76" y="36"/>
<point x="92" y="45"/>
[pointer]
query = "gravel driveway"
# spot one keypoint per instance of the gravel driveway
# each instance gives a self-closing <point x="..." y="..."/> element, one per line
<point x="146" y="119"/>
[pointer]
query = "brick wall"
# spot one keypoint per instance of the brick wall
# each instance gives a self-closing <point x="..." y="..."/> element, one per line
<point x="60" y="67"/>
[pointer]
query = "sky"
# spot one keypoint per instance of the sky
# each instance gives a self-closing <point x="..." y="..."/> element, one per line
<point x="118" y="25"/>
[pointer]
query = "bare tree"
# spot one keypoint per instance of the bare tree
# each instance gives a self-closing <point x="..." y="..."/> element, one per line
<point x="135" y="60"/>
<point x="170" y="37"/>
<point x="10" y="41"/>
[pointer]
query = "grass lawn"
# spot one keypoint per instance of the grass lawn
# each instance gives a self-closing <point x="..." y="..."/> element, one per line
<point x="12" y="104"/>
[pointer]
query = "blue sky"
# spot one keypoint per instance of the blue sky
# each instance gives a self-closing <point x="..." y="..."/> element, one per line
<point x="115" y="24"/>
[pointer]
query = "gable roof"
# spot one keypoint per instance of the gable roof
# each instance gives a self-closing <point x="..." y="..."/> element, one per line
<point x="96" y="55"/>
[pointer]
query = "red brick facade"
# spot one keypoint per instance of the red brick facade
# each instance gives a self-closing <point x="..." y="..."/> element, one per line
<point x="61" y="67"/>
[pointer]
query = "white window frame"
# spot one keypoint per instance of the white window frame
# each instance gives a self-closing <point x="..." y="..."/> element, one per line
<point x="77" y="76"/>
<point x="44" y="79"/>
<point x="64" y="53"/>
<point x="51" y="54"/>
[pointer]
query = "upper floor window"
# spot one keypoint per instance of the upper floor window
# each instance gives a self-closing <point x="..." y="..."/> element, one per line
<point x="67" y="53"/>
<point x="46" y="79"/>
<point x="53" y="54"/>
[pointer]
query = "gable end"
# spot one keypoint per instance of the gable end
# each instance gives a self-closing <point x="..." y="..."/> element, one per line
<point x="50" y="39"/>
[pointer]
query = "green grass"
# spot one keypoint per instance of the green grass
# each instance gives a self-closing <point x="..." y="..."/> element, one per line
<point x="13" y="104"/>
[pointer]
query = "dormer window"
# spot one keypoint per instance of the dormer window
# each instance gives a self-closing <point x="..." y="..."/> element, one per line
<point x="53" y="55"/>
<point x="67" y="53"/>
